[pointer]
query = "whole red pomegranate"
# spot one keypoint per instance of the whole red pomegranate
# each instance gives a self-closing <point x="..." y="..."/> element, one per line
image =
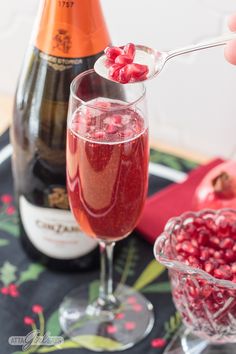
<point x="218" y="188"/>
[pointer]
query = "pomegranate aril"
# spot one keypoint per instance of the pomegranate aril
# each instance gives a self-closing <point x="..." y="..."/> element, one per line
<point x="185" y="246"/>
<point x="198" y="222"/>
<point x="98" y="135"/>
<point x="194" y="251"/>
<point x="223" y="224"/>
<point x="206" y="291"/>
<point x="194" y="243"/>
<point x="211" y="251"/>
<point x="204" y="254"/>
<point x="233" y="268"/>
<point x="223" y="272"/>
<point x="182" y="236"/>
<point x="221" y="261"/>
<point x="212" y="306"/>
<point x="178" y="247"/>
<point x="224" y="228"/>
<point x="193" y="291"/>
<point x="123" y="59"/>
<point x="117" y="119"/>
<point x="108" y="63"/>
<point x="189" y="248"/>
<point x="214" y="261"/>
<point x="233" y="228"/>
<point x="230" y="256"/>
<point x="210" y="224"/>
<point x="203" y="237"/>
<point x="218" y="255"/>
<point x="124" y="74"/>
<point x="139" y="71"/>
<point x="112" y="52"/>
<point x="189" y="228"/>
<point x="214" y="240"/>
<point x="129" y="50"/>
<point x="114" y="71"/>
<point x="226" y="267"/>
<point x="226" y="243"/>
<point x="111" y="129"/>
<point x="209" y="267"/>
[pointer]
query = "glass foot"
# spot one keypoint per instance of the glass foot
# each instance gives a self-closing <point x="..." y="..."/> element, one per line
<point x="99" y="329"/>
<point x="185" y="342"/>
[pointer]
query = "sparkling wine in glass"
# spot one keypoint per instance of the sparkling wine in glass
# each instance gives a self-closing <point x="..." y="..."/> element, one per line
<point x="107" y="179"/>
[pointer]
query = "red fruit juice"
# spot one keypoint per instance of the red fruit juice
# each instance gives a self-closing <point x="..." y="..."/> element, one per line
<point x="107" y="170"/>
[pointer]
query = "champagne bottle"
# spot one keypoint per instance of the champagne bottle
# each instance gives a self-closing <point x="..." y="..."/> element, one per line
<point x="69" y="37"/>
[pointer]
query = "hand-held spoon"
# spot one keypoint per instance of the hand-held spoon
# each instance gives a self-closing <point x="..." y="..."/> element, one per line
<point x="156" y="59"/>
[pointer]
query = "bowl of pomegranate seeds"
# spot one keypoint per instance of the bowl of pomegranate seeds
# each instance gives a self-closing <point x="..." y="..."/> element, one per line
<point x="199" y="250"/>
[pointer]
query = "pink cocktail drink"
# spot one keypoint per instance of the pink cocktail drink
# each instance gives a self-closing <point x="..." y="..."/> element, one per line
<point x="107" y="169"/>
<point x="107" y="177"/>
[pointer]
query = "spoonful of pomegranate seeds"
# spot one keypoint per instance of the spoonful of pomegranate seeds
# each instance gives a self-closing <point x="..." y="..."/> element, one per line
<point x="133" y="63"/>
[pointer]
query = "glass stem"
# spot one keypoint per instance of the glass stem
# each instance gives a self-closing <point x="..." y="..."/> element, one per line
<point x="106" y="297"/>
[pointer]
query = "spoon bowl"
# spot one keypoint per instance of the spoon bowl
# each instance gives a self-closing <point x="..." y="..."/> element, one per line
<point x="143" y="55"/>
<point x="155" y="60"/>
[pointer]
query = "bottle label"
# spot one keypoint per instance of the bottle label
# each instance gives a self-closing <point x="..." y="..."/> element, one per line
<point x="60" y="64"/>
<point x="71" y="29"/>
<point x="54" y="232"/>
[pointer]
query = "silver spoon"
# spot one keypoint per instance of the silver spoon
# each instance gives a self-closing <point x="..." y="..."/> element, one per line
<point x="156" y="60"/>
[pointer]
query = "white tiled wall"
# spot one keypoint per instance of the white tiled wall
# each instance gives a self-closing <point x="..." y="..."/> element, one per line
<point x="192" y="104"/>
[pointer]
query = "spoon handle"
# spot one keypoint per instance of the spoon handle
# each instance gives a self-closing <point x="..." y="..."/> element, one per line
<point x="212" y="42"/>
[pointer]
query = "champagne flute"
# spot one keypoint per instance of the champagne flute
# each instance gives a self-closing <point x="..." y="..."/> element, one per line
<point x="107" y="179"/>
